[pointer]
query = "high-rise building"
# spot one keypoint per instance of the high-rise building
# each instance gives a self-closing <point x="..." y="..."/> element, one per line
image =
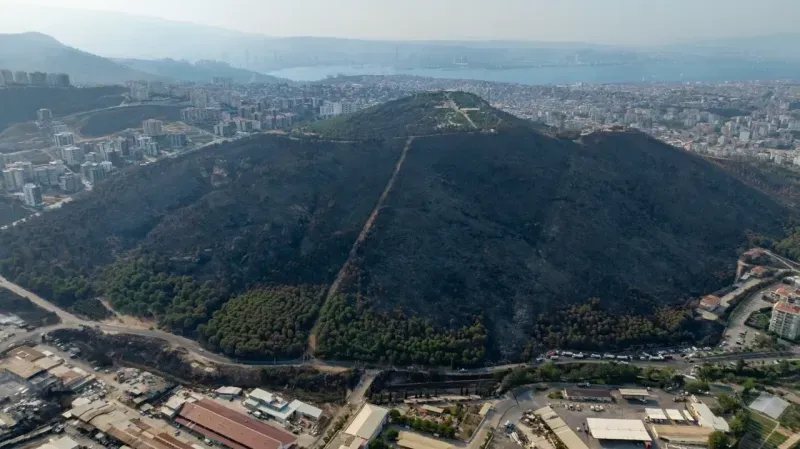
<point x="37" y="78"/>
<point x="54" y="171"/>
<point x="93" y="156"/>
<point x="64" y="139"/>
<point x="42" y="175"/>
<point x="27" y="169"/>
<point x="21" y="77"/>
<point x="44" y="115"/>
<point x="7" y="76"/>
<point x="115" y="157"/>
<point x="92" y="172"/>
<point x="70" y="182"/>
<point x="330" y="109"/>
<point x="140" y="92"/>
<point x="107" y="166"/>
<point x="8" y="179"/>
<point x="199" y="98"/>
<point x="33" y="194"/>
<point x="72" y="155"/>
<point x="785" y="320"/>
<point x="153" y="127"/>
<point x="177" y="140"/>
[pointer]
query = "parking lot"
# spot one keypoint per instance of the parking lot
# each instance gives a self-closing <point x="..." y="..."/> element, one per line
<point x="620" y="408"/>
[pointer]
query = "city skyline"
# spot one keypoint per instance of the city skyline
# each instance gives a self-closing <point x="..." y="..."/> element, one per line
<point x="612" y="22"/>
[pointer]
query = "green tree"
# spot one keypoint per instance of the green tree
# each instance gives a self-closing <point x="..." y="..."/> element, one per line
<point x="392" y="434"/>
<point x="718" y="440"/>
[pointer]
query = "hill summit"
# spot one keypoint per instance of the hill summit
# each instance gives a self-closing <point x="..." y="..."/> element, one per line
<point x="413" y="237"/>
<point x="422" y="114"/>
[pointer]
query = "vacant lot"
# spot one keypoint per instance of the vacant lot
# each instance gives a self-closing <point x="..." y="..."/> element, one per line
<point x="110" y="121"/>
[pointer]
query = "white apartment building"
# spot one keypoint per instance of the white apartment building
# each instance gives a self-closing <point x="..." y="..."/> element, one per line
<point x="785" y="320"/>
<point x="153" y="127"/>
<point x="33" y="194"/>
<point x="64" y="139"/>
<point x="72" y="155"/>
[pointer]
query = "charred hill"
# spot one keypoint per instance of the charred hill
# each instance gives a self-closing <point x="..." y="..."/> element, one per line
<point x="484" y="241"/>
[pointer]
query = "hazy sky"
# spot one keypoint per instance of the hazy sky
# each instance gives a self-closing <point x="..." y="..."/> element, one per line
<point x="631" y="22"/>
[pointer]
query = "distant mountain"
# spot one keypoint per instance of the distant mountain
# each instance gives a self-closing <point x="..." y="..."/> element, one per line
<point x="38" y="52"/>
<point x="201" y="71"/>
<point x="775" y="47"/>
<point x="429" y="241"/>
<point x="121" y="35"/>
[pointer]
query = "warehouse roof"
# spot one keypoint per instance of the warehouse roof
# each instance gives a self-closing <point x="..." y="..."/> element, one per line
<point x="367" y="422"/>
<point x="617" y="429"/>
<point x="707" y="418"/>
<point x="564" y="433"/>
<point x="637" y="392"/>
<point x="683" y="434"/>
<point x="232" y="391"/>
<point x="235" y="426"/>
<point x="675" y="414"/>
<point x="21" y="367"/>
<point x="655" y="414"/>
<point x="27" y="353"/>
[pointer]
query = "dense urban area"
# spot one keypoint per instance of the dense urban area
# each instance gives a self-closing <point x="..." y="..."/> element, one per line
<point x="113" y="338"/>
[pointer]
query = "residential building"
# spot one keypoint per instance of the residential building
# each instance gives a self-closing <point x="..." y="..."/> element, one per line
<point x="115" y="157"/>
<point x="37" y="78"/>
<point x="199" y="98"/>
<point x="785" y="320"/>
<point x="92" y="172"/>
<point x="72" y="155"/>
<point x="64" y="139"/>
<point x="44" y="115"/>
<point x="70" y="182"/>
<point x="230" y="428"/>
<point x="191" y="115"/>
<point x="61" y="80"/>
<point x="8" y="179"/>
<point x="6" y="76"/>
<point x="21" y="77"/>
<point x="27" y="170"/>
<point x="42" y="175"/>
<point x="94" y="156"/>
<point x="54" y="171"/>
<point x="709" y="302"/>
<point x="140" y="92"/>
<point x="330" y="109"/>
<point x="177" y="140"/>
<point x="152" y="127"/>
<point x="33" y="194"/>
